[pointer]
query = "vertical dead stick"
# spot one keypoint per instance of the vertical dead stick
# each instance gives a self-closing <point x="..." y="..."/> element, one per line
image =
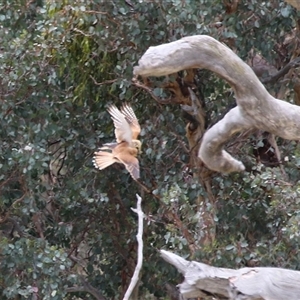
<point x="139" y="237"/>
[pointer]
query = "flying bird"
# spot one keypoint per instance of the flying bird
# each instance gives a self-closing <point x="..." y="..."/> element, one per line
<point x="127" y="147"/>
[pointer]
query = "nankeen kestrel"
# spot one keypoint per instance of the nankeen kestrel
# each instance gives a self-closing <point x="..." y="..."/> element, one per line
<point x="127" y="147"/>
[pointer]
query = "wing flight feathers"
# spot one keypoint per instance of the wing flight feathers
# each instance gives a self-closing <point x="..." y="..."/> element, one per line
<point x="132" y="120"/>
<point x="103" y="159"/>
<point x="123" y="131"/>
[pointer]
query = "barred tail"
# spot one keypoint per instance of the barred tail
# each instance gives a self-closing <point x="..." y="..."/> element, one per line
<point x="103" y="159"/>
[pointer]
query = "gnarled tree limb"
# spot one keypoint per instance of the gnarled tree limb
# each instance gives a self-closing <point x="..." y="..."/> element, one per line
<point x="246" y="283"/>
<point x="256" y="108"/>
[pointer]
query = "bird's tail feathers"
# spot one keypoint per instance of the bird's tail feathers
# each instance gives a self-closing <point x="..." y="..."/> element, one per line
<point x="103" y="159"/>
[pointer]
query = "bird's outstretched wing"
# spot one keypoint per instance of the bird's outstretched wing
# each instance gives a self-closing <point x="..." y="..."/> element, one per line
<point x="132" y="165"/>
<point x="132" y="120"/>
<point x="123" y="131"/>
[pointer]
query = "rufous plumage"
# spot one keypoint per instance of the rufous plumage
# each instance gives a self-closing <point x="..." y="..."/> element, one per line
<point x="127" y="147"/>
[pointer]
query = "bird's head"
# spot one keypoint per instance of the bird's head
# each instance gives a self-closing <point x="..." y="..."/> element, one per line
<point x="138" y="145"/>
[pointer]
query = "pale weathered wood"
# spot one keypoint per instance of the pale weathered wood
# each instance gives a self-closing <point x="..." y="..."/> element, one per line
<point x="245" y="283"/>
<point x="256" y="108"/>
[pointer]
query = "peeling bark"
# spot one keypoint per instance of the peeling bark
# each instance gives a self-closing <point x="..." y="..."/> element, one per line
<point x="202" y="280"/>
<point x="256" y="108"/>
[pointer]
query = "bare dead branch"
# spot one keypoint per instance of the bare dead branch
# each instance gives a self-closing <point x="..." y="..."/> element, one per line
<point x="256" y="108"/>
<point x="139" y="237"/>
<point x="139" y="84"/>
<point x="104" y="82"/>
<point x="245" y="283"/>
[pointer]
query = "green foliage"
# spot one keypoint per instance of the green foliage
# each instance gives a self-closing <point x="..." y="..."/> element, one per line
<point x="62" y="64"/>
<point x="34" y="268"/>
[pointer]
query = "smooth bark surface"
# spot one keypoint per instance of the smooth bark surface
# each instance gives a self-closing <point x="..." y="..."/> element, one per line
<point x="256" y="108"/>
<point x="245" y="283"/>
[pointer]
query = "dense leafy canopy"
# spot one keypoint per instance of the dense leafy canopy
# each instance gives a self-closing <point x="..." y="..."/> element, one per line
<point x="67" y="228"/>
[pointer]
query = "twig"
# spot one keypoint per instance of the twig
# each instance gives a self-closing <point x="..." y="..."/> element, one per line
<point x="81" y="32"/>
<point x="171" y="215"/>
<point x="292" y="64"/>
<point x="86" y="287"/>
<point x="137" y="83"/>
<point x="147" y="190"/>
<point x="139" y="237"/>
<point x="104" y="82"/>
<point x="95" y="12"/>
<point x="273" y="143"/>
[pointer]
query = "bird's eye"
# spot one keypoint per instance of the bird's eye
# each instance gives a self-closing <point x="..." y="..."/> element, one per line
<point x="137" y="146"/>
